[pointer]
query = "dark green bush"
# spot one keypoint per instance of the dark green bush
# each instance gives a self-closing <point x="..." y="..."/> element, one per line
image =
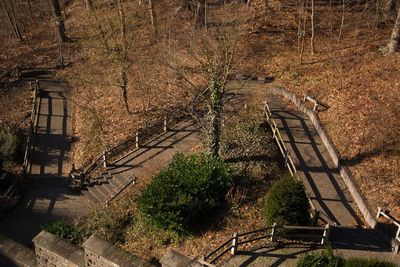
<point x="184" y="195"/>
<point x="357" y="262"/>
<point x="8" y="146"/>
<point x="324" y="259"/>
<point x="286" y="203"/>
<point x="66" y="231"/>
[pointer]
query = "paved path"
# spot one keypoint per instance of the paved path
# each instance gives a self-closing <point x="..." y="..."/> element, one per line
<point x="47" y="198"/>
<point x="145" y="162"/>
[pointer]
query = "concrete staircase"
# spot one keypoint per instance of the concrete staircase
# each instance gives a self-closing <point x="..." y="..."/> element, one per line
<point x="103" y="186"/>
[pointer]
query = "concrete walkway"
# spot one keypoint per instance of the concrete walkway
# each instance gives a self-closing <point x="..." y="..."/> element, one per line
<point x="48" y="197"/>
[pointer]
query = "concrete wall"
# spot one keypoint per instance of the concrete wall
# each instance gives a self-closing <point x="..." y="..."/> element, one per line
<point x="52" y="251"/>
<point x="344" y="172"/>
<point x="99" y="252"/>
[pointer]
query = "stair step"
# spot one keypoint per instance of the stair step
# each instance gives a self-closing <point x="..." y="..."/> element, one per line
<point x="92" y="197"/>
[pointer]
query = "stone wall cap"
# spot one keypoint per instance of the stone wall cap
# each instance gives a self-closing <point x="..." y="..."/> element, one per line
<point x="77" y="257"/>
<point x="45" y="239"/>
<point x="175" y="259"/>
<point x="96" y="244"/>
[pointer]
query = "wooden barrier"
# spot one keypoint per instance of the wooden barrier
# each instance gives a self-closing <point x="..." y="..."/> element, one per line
<point x="333" y="153"/>
<point x="32" y="126"/>
<point x="271" y="233"/>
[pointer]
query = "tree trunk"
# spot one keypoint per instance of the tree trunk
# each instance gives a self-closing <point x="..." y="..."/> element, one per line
<point x="215" y="113"/>
<point x="59" y="20"/>
<point x="11" y="21"/>
<point x="152" y="16"/>
<point x="389" y="9"/>
<point x="312" y="26"/>
<point x="199" y="20"/>
<point x="123" y="84"/>
<point x="393" y="44"/>
<point x="89" y="4"/>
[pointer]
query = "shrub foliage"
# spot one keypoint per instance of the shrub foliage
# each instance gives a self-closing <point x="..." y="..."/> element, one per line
<point x="8" y="146"/>
<point x="182" y="196"/>
<point x="286" y="203"/>
<point x="66" y="231"/>
<point x="326" y="258"/>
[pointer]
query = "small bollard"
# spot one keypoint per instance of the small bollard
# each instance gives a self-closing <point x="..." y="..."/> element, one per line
<point x="273" y="233"/>
<point x="137" y="139"/>
<point x="234" y="244"/>
<point x="105" y="159"/>
<point x="165" y="124"/>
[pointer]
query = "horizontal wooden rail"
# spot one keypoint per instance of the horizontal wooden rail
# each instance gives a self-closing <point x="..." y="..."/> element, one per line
<point x="119" y="190"/>
<point x="285" y="153"/>
<point x="239" y="239"/>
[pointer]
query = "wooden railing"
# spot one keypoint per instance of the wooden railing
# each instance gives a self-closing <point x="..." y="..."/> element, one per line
<point x="316" y="214"/>
<point x="272" y="233"/>
<point x="107" y="155"/>
<point x="396" y="239"/>
<point x="35" y="87"/>
<point x="8" y="73"/>
<point x="118" y="190"/>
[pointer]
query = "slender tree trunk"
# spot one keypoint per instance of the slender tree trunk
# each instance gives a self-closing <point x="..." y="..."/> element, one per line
<point x="89" y="4"/>
<point x="29" y="7"/>
<point x="123" y="80"/>
<point x="393" y="44"/>
<point x="215" y="113"/>
<point x="199" y="20"/>
<point x="312" y="27"/>
<point x="11" y="21"/>
<point x="59" y="20"/>
<point x="152" y="16"/>
<point x="342" y="23"/>
<point x="389" y="9"/>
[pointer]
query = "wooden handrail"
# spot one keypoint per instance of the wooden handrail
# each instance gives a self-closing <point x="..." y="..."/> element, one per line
<point x="119" y="190"/>
<point x="236" y="242"/>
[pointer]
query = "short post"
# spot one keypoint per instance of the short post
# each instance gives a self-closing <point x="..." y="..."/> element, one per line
<point x="30" y="86"/>
<point x="245" y="106"/>
<point x="137" y="139"/>
<point x="234" y="244"/>
<point x="105" y="159"/>
<point x="17" y="70"/>
<point x="165" y="124"/>
<point x="325" y="235"/>
<point x="273" y="232"/>
<point x="379" y="213"/>
<point x="37" y="84"/>
<point x="305" y="98"/>
<point x="286" y="157"/>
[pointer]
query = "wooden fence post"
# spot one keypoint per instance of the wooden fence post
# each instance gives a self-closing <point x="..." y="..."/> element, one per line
<point x="234" y="244"/>
<point x="165" y="124"/>
<point x="273" y="232"/>
<point x="37" y="84"/>
<point x="286" y="157"/>
<point x="379" y="213"/>
<point x="105" y="159"/>
<point x="17" y="71"/>
<point x="325" y="235"/>
<point x="137" y="139"/>
<point x="30" y="86"/>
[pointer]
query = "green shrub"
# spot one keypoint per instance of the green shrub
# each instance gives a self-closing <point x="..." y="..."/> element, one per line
<point x="66" y="231"/>
<point x="8" y="146"/>
<point x="182" y="197"/>
<point x="324" y="259"/>
<point x="108" y="223"/>
<point x="286" y="203"/>
<point x="357" y="262"/>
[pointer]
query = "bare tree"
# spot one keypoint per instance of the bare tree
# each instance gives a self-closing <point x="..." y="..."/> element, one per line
<point x="12" y="21"/>
<point x="59" y="20"/>
<point x="393" y="44"/>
